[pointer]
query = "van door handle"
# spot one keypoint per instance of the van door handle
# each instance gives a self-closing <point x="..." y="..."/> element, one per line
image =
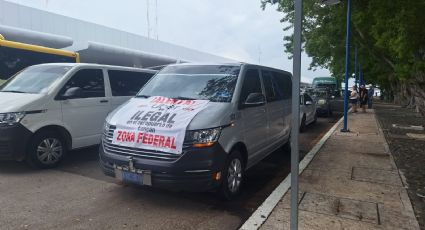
<point x="103" y="101"/>
<point x="263" y="110"/>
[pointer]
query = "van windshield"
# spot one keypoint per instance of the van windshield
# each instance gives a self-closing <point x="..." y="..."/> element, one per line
<point x="34" y="79"/>
<point x="211" y="82"/>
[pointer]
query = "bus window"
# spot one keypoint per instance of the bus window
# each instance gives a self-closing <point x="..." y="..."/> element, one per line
<point x="13" y="60"/>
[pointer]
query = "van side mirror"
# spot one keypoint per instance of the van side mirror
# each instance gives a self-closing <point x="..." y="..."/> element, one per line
<point x="73" y="92"/>
<point x="308" y="102"/>
<point x="254" y="99"/>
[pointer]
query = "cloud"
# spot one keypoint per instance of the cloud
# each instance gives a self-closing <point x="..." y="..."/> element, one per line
<point x="237" y="29"/>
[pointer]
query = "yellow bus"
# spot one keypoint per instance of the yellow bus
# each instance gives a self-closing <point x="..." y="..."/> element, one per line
<point x="15" y="56"/>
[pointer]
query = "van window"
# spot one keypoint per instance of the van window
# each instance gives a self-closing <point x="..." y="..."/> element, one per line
<point x="89" y="80"/>
<point x="35" y="79"/>
<point x="307" y="98"/>
<point x="215" y="83"/>
<point x="127" y="83"/>
<point x="273" y="91"/>
<point x="284" y="82"/>
<point x="251" y="84"/>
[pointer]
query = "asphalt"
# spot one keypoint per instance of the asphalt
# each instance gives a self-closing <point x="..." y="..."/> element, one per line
<point x="78" y="196"/>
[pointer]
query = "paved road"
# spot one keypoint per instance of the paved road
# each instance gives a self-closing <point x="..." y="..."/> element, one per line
<point x="78" y="196"/>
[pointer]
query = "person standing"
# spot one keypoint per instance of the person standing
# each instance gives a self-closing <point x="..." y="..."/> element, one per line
<point x="363" y="93"/>
<point x="370" y="94"/>
<point x="354" y="98"/>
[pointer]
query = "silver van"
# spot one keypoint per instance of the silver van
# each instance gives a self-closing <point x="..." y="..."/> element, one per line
<point x="246" y="117"/>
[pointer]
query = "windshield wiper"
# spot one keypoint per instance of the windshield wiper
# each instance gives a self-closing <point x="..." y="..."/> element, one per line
<point x="12" y="91"/>
<point x="184" y="98"/>
<point x="143" y="96"/>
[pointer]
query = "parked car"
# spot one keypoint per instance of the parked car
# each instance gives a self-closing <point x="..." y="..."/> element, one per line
<point x="48" y="109"/>
<point x="324" y="99"/>
<point x="308" y="114"/>
<point x="247" y="116"/>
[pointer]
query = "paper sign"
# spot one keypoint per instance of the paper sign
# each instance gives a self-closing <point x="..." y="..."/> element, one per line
<point x="156" y="123"/>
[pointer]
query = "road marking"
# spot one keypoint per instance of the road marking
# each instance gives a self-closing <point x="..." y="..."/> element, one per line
<point x="260" y="215"/>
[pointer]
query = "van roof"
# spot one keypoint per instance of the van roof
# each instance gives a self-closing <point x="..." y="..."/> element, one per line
<point x="229" y="64"/>
<point x="97" y="65"/>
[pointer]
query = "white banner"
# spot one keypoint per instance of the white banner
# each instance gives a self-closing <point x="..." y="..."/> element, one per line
<point x="156" y="123"/>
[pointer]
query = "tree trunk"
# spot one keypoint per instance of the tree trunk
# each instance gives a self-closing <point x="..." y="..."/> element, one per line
<point x="410" y="94"/>
<point x="418" y="92"/>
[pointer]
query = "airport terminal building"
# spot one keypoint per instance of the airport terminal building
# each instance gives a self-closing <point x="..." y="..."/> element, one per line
<point x="94" y="43"/>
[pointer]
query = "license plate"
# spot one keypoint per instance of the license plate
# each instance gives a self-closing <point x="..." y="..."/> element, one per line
<point x="130" y="177"/>
<point x="140" y="178"/>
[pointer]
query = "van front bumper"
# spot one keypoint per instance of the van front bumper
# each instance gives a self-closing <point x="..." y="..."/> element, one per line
<point x="194" y="170"/>
<point x="13" y="142"/>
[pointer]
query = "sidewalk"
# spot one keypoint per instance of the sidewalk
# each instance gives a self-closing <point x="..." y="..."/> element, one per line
<point x="352" y="183"/>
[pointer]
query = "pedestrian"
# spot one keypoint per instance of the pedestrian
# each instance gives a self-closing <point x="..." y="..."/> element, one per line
<point x="354" y="96"/>
<point x="363" y="94"/>
<point x="370" y="94"/>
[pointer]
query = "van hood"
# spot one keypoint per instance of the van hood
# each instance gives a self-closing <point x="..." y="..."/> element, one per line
<point x="214" y="115"/>
<point x="18" y="102"/>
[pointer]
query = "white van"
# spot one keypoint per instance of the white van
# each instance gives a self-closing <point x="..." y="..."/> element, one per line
<point x="48" y="109"/>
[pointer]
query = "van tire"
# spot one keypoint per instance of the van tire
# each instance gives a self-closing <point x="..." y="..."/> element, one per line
<point x="235" y="166"/>
<point x="46" y="150"/>
<point x="303" y="124"/>
<point x="287" y="146"/>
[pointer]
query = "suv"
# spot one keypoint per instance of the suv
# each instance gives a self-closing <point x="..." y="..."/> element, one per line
<point x="48" y="109"/>
<point x="234" y="115"/>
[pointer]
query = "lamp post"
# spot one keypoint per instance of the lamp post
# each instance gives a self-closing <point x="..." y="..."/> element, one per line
<point x="347" y="65"/>
<point x="295" y="113"/>
<point x="347" y="58"/>
<point x="295" y="99"/>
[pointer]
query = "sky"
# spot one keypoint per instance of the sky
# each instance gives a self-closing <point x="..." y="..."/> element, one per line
<point x="236" y="29"/>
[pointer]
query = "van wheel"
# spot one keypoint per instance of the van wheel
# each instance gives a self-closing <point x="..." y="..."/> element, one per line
<point x="233" y="175"/>
<point x="46" y="150"/>
<point x="303" y="124"/>
<point x="287" y="146"/>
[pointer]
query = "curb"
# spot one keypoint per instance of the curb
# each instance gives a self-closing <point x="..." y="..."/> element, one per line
<point x="260" y="215"/>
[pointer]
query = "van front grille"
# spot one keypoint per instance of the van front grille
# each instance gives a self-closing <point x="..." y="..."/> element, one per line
<point x="108" y="147"/>
<point x="4" y="148"/>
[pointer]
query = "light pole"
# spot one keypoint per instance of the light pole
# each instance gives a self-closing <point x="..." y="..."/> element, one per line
<point x="295" y="99"/>
<point x="347" y="65"/>
<point x="347" y="58"/>
<point x="295" y="113"/>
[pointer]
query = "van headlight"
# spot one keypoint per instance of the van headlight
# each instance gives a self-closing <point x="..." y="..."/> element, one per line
<point x="321" y="102"/>
<point x="106" y="127"/>
<point x="11" y="118"/>
<point x="203" y="138"/>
